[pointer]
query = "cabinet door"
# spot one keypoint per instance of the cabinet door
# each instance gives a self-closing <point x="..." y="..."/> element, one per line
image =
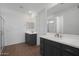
<point x="33" y="38"/>
<point x="30" y="38"/>
<point x="27" y="38"/>
<point x="69" y="51"/>
<point x="50" y="50"/>
<point x="42" y="46"/>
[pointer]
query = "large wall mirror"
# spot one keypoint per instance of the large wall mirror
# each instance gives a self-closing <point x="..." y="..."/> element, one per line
<point x="69" y="21"/>
<point x="65" y="19"/>
<point x="55" y="24"/>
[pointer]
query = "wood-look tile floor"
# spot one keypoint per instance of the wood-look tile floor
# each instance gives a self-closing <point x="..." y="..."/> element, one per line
<point x="22" y="50"/>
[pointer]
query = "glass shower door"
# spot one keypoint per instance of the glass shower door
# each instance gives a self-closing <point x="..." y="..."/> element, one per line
<point x="1" y="34"/>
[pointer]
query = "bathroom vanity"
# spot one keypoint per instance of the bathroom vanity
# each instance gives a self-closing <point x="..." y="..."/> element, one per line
<point x="30" y="38"/>
<point x="61" y="19"/>
<point x="68" y="45"/>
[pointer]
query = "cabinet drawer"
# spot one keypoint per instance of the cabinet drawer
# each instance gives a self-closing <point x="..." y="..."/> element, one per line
<point x="65" y="53"/>
<point x="53" y="43"/>
<point x="70" y="49"/>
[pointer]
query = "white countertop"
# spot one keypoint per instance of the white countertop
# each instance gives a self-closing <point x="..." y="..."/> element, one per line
<point x="71" y="40"/>
<point x="30" y="32"/>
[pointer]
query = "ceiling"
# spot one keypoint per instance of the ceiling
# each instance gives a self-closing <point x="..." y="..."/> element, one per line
<point x="25" y="7"/>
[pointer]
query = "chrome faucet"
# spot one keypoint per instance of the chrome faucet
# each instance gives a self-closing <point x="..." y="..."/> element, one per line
<point x="58" y="35"/>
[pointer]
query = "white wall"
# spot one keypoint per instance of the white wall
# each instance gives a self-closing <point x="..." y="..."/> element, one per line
<point x="0" y="33"/>
<point x="14" y="26"/>
<point x="41" y="23"/>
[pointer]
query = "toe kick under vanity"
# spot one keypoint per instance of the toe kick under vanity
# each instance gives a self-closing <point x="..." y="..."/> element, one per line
<point x="68" y="45"/>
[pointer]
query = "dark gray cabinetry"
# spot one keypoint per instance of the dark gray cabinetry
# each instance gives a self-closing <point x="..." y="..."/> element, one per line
<point x="69" y="51"/>
<point x="42" y="47"/>
<point x="51" y="48"/>
<point x="30" y="38"/>
<point x="47" y="48"/>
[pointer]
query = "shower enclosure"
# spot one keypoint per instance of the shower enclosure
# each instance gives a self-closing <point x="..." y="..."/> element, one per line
<point x="1" y="34"/>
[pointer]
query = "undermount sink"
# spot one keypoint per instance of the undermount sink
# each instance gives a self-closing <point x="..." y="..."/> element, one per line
<point x="31" y="32"/>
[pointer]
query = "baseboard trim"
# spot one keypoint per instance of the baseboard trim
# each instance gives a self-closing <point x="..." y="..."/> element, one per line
<point x="14" y="44"/>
